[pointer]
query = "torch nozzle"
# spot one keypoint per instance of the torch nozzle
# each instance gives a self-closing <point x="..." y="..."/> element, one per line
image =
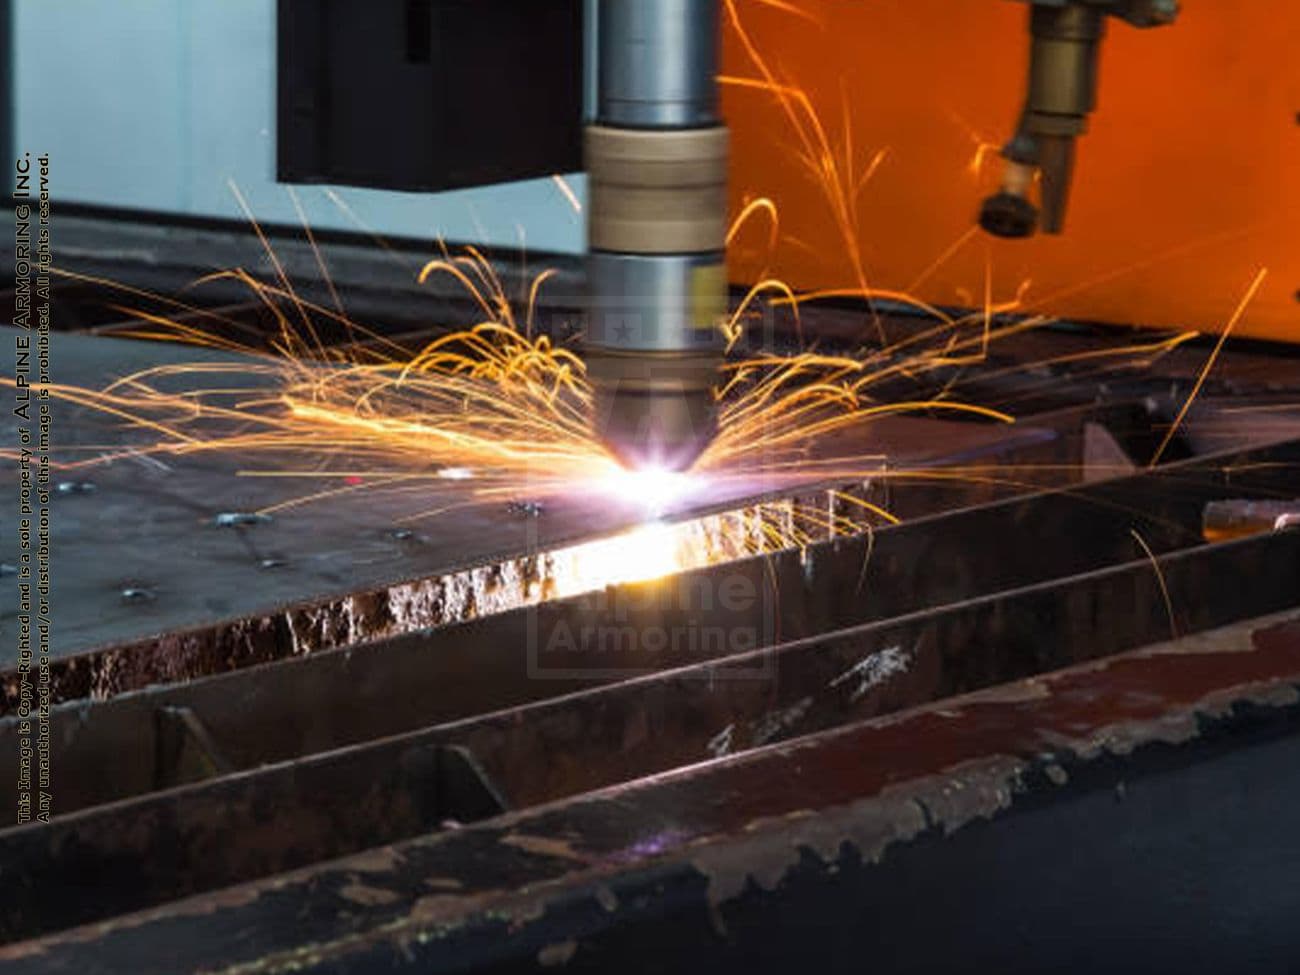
<point x="654" y="411"/>
<point x="1065" y="38"/>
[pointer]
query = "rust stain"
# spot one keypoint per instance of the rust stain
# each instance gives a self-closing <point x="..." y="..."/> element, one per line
<point x="199" y="906"/>
<point x="1017" y="692"/>
<point x="438" y="907"/>
<point x="769" y="850"/>
<point x="1116" y="705"/>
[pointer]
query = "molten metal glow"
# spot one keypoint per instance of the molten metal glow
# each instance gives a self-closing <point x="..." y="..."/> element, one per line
<point x="649" y="551"/>
<point x="658" y="549"/>
<point x="651" y="489"/>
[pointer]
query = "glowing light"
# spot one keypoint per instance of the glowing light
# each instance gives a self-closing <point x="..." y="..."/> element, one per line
<point x="650" y="551"/>
<point x="651" y="489"/>
<point x="658" y="549"/>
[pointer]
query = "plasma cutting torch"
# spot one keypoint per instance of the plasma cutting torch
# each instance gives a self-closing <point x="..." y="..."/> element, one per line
<point x="657" y="164"/>
<point x="656" y="156"/>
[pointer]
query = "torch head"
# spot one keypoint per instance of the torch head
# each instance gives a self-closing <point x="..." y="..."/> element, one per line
<point x="1065" y="38"/>
<point x="656" y="158"/>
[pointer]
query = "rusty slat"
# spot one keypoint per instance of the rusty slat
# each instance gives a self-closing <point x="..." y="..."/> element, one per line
<point x="584" y="876"/>
<point x="341" y="802"/>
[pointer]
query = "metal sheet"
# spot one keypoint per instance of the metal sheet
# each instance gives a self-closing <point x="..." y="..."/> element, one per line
<point x="141" y="554"/>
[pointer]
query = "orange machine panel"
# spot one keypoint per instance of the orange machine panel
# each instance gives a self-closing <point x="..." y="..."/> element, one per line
<point x="1186" y="185"/>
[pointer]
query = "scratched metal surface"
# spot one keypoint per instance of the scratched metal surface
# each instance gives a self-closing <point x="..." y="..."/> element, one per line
<point x="147" y="530"/>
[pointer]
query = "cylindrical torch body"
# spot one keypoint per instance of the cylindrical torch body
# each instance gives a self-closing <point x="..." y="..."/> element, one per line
<point x="657" y="167"/>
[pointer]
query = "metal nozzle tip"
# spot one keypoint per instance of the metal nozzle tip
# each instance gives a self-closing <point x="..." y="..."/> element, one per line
<point x="1007" y="215"/>
<point x="664" y="430"/>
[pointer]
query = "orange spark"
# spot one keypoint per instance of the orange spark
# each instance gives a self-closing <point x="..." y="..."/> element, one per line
<point x="1209" y="363"/>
